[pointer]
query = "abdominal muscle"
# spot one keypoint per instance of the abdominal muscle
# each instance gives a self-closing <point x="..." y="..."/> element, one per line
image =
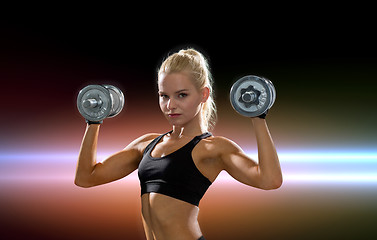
<point x="167" y="218"/>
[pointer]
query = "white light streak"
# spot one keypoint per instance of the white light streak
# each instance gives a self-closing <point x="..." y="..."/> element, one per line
<point x="298" y="166"/>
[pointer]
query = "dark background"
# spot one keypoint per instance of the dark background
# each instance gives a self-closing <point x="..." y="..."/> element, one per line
<point x="321" y="59"/>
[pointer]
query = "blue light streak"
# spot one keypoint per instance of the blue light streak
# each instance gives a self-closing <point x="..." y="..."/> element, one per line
<point x="297" y="166"/>
<point x="284" y="156"/>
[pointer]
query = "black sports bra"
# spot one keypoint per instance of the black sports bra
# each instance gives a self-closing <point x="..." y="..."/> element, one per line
<point x="174" y="175"/>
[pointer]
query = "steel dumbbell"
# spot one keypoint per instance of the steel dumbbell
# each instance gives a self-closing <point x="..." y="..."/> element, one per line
<point x="251" y="96"/>
<point x="97" y="102"/>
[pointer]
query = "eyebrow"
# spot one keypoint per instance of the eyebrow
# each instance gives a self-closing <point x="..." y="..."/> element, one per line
<point x="179" y="91"/>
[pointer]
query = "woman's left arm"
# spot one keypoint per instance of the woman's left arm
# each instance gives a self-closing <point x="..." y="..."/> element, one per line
<point x="269" y="165"/>
<point x="266" y="174"/>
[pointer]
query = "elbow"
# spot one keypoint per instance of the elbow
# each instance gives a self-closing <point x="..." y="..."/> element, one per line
<point x="273" y="184"/>
<point x="80" y="184"/>
<point x="276" y="185"/>
<point x="84" y="184"/>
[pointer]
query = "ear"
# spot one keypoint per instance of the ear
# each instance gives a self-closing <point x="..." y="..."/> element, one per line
<point x="205" y="94"/>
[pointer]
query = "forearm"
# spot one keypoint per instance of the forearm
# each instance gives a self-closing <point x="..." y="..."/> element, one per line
<point x="88" y="154"/>
<point x="269" y="165"/>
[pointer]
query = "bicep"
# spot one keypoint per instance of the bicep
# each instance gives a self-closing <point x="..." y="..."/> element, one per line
<point x="240" y="166"/>
<point x="116" y="166"/>
<point x="121" y="163"/>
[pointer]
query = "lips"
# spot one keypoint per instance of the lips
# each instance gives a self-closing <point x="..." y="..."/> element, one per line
<point x="174" y="115"/>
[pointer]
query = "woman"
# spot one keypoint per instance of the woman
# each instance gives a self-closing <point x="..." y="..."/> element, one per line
<point x="176" y="168"/>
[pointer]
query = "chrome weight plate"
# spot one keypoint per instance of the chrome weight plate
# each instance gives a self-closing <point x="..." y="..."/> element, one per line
<point x="251" y="96"/>
<point x="272" y="87"/>
<point x="117" y="99"/>
<point x="94" y="102"/>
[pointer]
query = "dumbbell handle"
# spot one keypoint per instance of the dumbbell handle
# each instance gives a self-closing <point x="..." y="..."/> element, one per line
<point x="248" y="96"/>
<point x="91" y="103"/>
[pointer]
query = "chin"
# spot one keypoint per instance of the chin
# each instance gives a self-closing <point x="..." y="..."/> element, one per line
<point x="176" y="123"/>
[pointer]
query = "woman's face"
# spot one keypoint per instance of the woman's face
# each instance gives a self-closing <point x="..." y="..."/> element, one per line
<point x="179" y="99"/>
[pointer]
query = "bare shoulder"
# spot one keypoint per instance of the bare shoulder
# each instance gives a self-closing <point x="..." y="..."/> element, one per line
<point x="222" y="145"/>
<point x="147" y="137"/>
<point x="216" y="151"/>
<point x="141" y="142"/>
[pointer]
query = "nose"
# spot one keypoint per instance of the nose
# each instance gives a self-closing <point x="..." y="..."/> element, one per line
<point x="171" y="104"/>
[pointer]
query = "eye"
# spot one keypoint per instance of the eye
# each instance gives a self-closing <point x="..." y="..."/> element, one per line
<point x="182" y="95"/>
<point x="164" y="96"/>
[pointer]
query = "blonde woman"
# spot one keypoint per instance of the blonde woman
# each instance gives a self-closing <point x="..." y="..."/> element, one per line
<point x="176" y="168"/>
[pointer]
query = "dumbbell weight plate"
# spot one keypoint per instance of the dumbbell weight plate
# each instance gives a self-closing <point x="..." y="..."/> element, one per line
<point x="94" y="112"/>
<point x="117" y="99"/>
<point x="272" y="87"/>
<point x="258" y="106"/>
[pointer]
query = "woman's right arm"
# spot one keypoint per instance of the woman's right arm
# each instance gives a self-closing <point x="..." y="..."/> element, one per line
<point x="89" y="173"/>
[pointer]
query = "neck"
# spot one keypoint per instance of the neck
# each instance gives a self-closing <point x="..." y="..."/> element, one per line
<point x="190" y="130"/>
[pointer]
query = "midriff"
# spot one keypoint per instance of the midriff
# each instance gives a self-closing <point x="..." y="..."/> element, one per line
<point x="169" y="218"/>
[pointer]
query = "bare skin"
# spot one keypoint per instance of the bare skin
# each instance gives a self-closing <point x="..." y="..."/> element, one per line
<point x="167" y="218"/>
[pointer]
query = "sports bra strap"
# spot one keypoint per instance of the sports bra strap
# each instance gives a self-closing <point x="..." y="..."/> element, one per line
<point x="200" y="137"/>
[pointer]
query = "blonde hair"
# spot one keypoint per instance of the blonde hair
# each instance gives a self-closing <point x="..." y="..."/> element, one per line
<point x="194" y="62"/>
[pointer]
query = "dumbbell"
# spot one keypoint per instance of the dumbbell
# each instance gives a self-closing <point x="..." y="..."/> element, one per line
<point x="252" y="96"/>
<point x="97" y="102"/>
